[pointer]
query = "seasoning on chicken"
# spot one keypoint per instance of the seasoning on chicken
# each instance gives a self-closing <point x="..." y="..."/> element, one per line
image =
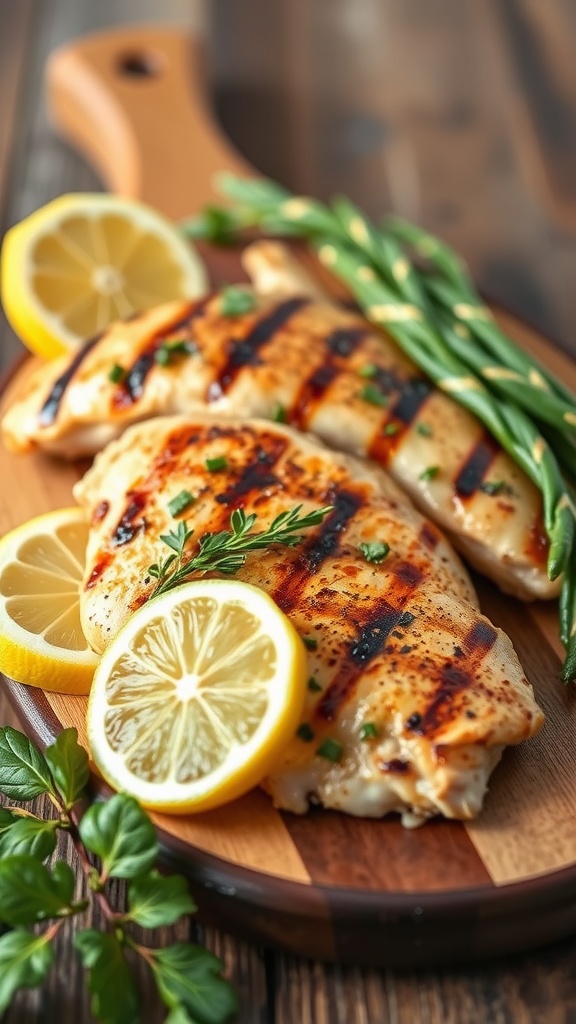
<point x="413" y="693"/>
<point x="317" y="366"/>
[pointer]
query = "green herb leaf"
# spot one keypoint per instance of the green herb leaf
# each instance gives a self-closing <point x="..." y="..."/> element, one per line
<point x="375" y="551"/>
<point x="305" y="732"/>
<point x="279" y="413"/>
<point x="6" y="819"/>
<point x="310" y="642"/>
<point x="30" y="892"/>
<point x="116" y="373"/>
<point x="179" y="1015"/>
<point x="155" y="899"/>
<point x="330" y="749"/>
<point x="31" y="836"/>
<point x="171" y="350"/>
<point x="314" y="685"/>
<point x="25" y="960"/>
<point x="180" y="503"/>
<point x="429" y="473"/>
<point x="372" y="394"/>
<point x="368" y="731"/>
<point x="24" y="773"/>
<point x="122" y="835"/>
<point x="217" y="463"/>
<point x="492" y="486"/>
<point x="369" y="370"/>
<point x="390" y="429"/>
<point x="190" y="976"/>
<point x="234" y="301"/>
<point x="424" y="430"/>
<point x="68" y="762"/>
<point x="114" y="995"/>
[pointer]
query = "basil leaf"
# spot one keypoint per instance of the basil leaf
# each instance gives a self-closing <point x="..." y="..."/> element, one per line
<point x="24" y="773"/>
<point x="178" y="1015"/>
<point x="29" y="892"/>
<point x="68" y="762"/>
<point x="6" y="819"/>
<point x="154" y="899"/>
<point x="122" y="835"/>
<point x="114" y="995"/>
<point x="190" y="976"/>
<point x="29" y="835"/>
<point x="25" y="960"/>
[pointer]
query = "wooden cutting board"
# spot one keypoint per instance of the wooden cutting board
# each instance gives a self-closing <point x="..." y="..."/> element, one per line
<point x="324" y="885"/>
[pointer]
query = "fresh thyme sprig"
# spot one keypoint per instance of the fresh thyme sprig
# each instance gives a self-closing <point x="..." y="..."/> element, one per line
<point x="112" y="840"/>
<point x="226" y="551"/>
<point x="435" y="316"/>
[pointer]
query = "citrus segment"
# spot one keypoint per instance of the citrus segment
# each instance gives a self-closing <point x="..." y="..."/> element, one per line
<point x="87" y="259"/>
<point x="41" y="570"/>
<point x="197" y="696"/>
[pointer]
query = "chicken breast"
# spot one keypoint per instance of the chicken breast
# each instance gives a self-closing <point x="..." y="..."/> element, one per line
<point x="400" y="645"/>
<point x="321" y="368"/>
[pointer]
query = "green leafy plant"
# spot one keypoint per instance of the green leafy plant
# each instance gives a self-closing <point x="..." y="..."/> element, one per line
<point x="226" y="551"/>
<point x="112" y="840"/>
<point x="418" y="289"/>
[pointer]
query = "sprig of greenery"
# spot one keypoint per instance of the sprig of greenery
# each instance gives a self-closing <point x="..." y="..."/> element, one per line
<point x="226" y="551"/>
<point x="436" y="317"/>
<point x="121" y="837"/>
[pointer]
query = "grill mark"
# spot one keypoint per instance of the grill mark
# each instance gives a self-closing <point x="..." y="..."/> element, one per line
<point x="413" y="394"/>
<point x="454" y="678"/>
<point x="318" y="548"/>
<point x="428" y="536"/>
<point x="131" y="388"/>
<point x="244" y="352"/>
<point x="472" y="471"/>
<point x="373" y="632"/>
<point x="538" y="543"/>
<point x="100" y="512"/>
<point x="99" y="568"/>
<point x="255" y="477"/>
<point x="128" y="526"/>
<point x="340" y="344"/>
<point x="51" y="407"/>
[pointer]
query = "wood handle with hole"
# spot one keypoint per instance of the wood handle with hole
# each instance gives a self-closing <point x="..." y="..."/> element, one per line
<point x="133" y="102"/>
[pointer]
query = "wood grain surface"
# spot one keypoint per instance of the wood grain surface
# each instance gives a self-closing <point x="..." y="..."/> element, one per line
<point x="456" y="77"/>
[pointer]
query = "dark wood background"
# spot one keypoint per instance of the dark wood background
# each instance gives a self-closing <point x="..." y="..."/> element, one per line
<point x="461" y="115"/>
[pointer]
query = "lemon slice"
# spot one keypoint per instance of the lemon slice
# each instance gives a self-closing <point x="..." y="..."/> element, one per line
<point x="197" y="696"/>
<point x="41" y="569"/>
<point x="87" y="259"/>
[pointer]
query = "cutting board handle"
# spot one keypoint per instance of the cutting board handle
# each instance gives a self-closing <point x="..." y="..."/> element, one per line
<point x="133" y="102"/>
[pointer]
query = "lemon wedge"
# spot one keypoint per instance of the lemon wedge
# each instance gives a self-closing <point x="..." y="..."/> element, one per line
<point x="197" y="696"/>
<point x="41" y="570"/>
<point x="86" y="259"/>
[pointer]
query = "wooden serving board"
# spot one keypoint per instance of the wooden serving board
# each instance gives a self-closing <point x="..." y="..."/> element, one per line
<point x="324" y="885"/>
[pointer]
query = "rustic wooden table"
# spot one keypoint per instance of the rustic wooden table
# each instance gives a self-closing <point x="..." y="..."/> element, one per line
<point x="462" y="116"/>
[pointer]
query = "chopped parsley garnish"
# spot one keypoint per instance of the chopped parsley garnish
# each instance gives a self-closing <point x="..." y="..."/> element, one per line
<point x="375" y="550"/>
<point x="180" y="503"/>
<point x="279" y="413"/>
<point x="170" y="350"/>
<point x="305" y="732"/>
<point x="390" y="429"/>
<point x="368" y="370"/>
<point x="368" y="731"/>
<point x="310" y="642"/>
<point x="370" y="393"/>
<point x="217" y="463"/>
<point x="234" y="301"/>
<point x="116" y="373"/>
<point x="314" y="685"/>
<point x="424" y="430"/>
<point x="330" y="749"/>
<point x="429" y="473"/>
<point x="492" y="486"/>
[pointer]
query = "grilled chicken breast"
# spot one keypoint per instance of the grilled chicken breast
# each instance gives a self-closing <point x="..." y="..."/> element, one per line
<point x="321" y="368"/>
<point x="400" y="644"/>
